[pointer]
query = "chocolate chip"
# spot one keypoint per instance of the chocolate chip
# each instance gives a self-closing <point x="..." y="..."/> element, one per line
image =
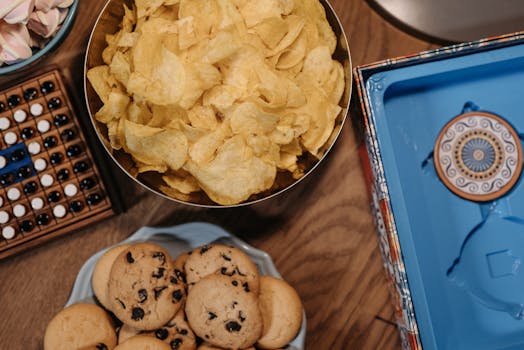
<point x="235" y="283"/>
<point x="129" y="258"/>
<point x="173" y="280"/>
<point x="159" y="273"/>
<point x="137" y="314"/>
<point x="234" y="304"/>
<point x="241" y="316"/>
<point x="121" y="303"/>
<point x="175" y="344"/>
<point x="211" y="316"/>
<point x="240" y="273"/>
<point x="181" y="275"/>
<point x="157" y="291"/>
<point x="204" y="249"/>
<point x="233" y="326"/>
<point x="101" y="346"/>
<point x="161" y="333"/>
<point x="224" y="272"/>
<point x="183" y="331"/>
<point x="177" y="295"/>
<point x="160" y="256"/>
<point x="142" y="295"/>
<point x="225" y="257"/>
<point x="246" y="287"/>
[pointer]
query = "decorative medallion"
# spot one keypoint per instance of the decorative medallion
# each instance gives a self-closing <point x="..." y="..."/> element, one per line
<point x="478" y="156"/>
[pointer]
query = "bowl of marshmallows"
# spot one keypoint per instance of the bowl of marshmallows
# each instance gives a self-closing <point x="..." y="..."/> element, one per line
<point x="29" y="29"/>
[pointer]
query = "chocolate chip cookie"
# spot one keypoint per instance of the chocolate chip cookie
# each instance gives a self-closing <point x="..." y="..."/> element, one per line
<point x="176" y="333"/>
<point x="228" y="261"/>
<point x="143" y="289"/>
<point x="281" y="310"/>
<point x="100" y="279"/>
<point x="224" y="313"/>
<point x="80" y="326"/>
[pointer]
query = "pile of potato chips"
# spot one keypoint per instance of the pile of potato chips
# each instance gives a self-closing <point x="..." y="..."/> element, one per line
<point x="220" y="95"/>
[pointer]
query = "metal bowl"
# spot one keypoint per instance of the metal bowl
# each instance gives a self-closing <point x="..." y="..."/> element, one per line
<point x="49" y="47"/>
<point x="108" y="23"/>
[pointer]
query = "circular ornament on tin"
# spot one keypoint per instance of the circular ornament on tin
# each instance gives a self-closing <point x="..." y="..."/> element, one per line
<point x="478" y="156"/>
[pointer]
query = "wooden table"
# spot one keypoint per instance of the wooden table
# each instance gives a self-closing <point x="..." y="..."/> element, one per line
<point x="323" y="244"/>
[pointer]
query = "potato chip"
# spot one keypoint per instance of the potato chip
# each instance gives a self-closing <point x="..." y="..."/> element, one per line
<point x="248" y="118"/>
<point x="156" y="146"/>
<point x="120" y="67"/>
<point x="220" y="95"/>
<point x="234" y="174"/>
<point x="203" y="118"/>
<point x="204" y="149"/>
<point x="115" y="132"/>
<point x="102" y="82"/>
<point x="114" y="108"/>
<point x="271" y="30"/>
<point x="139" y="113"/>
<point x="182" y="182"/>
<point x="145" y="8"/>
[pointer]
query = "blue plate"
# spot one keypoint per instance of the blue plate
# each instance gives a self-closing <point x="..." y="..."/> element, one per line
<point x="463" y="258"/>
<point x="177" y="240"/>
<point x="51" y="45"/>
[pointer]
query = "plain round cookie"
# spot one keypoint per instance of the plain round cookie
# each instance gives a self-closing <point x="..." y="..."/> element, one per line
<point x="143" y="290"/>
<point x="125" y="332"/>
<point x="100" y="279"/>
<point x="281" y="310"/>
<point x="142" y="342"/>
<point x="80" y="326"/>
<point x="176" y="333"/>
<point x="223" y="313"/>
<point x="229" y="261"/>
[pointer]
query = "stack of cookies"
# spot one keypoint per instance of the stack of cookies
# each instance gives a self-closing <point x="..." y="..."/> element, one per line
<point x="210" y="298"/>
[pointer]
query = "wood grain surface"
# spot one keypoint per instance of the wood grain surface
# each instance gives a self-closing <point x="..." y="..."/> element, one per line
<point x="321" y="235"/>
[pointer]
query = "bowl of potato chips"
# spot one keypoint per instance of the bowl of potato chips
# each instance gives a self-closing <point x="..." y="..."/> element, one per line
<point x="218" y="103"/>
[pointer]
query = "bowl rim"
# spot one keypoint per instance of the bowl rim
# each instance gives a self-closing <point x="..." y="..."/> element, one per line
<point x="59" y="36"/>
<point x="345" y="112"/>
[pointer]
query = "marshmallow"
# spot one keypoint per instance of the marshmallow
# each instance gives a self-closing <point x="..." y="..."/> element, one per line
<point x="44" y="24"/>
<point x="44" y="5"/>
<point x="63" y="4"/>
<point x="21" y="9"/>
<point x="14" y="43"/>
